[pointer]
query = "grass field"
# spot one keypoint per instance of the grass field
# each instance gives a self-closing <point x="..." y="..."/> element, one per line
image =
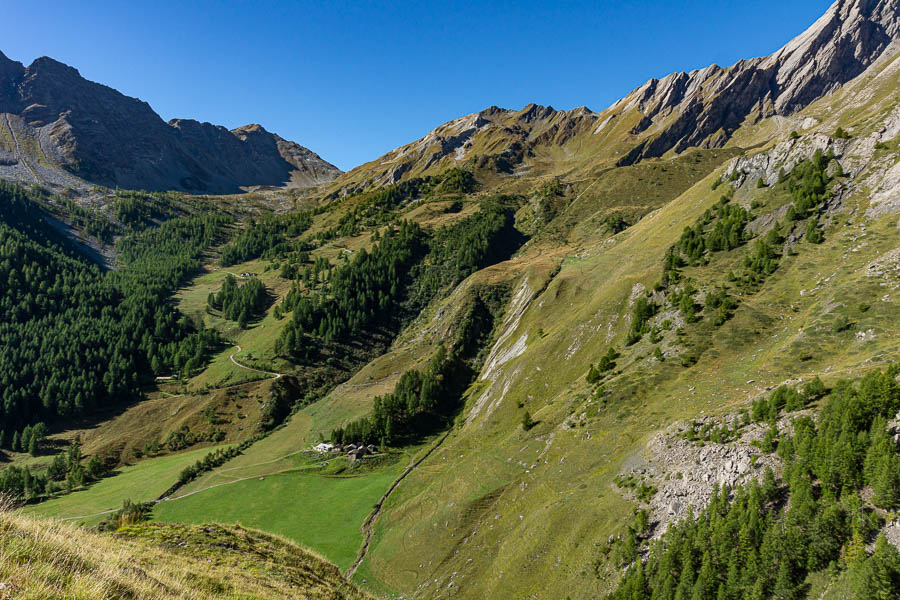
<point x="142" y="482"/>
<point x="323" y="513"/>
<point x="48" y="559"/>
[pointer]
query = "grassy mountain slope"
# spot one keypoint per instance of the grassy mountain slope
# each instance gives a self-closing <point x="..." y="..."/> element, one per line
<point x="43" y="559"/>
<point x="497" y="509"/>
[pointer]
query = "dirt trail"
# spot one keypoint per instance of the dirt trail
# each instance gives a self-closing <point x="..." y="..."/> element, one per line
<point x="233" y="354"/>
<point x="368" y="526"/>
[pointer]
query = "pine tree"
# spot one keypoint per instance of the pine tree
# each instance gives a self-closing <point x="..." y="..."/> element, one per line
<point x="57" y="469"/>
<point x="527" y="423"/>
<point x="784" y="584"/>
<point x="95" y="468"/>
<point x="856" y="549"/>
<point x="884" y="567"/>
<point x="15" y="447"/>
<point x="705" y="584"/>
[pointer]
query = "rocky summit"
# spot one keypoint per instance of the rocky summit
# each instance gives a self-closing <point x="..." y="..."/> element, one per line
<point x="59" y="125"/>
<point x="699" y="109"/>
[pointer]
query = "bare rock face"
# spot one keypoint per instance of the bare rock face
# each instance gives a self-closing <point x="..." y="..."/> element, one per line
<point x="702" y="108"/>
<point x="686" y="474"/>
<point x="108" y="138"/>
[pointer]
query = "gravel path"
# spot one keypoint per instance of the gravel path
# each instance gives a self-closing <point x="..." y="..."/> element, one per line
<point x="275" y="375"/>
<point x="368" y="526"/>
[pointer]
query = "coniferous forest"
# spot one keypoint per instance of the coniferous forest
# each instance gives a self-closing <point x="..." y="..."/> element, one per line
<point x="76" y="339"/>
<point x="764" y="539"/>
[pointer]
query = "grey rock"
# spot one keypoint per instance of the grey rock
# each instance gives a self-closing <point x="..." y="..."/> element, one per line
<point x="709" y="104"/>
<point x="102" y="136"/>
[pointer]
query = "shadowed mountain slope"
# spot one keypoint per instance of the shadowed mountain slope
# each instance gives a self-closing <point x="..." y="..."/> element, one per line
<point x="55" y="119"/>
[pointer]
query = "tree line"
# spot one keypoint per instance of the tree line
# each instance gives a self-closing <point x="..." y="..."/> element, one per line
<point x="267" y="238"/>
<point x="239" y="303"/>
<point x="360" y="295"/>
<point x="469" y="245"/>
<point x="420" y="402"/>
<point x="762" y="540"/>
<point x="375" y="208"/>
<point x="400" y="275"/>
<point x="64" y="474"/>
<point x="73" y="338"/>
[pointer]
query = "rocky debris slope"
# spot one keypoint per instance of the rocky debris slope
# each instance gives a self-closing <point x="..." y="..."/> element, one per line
<point x="685" y="473"/>
<point x="107" y="138"/>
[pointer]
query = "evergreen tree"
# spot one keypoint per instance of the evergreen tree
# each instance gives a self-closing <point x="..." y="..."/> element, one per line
<point x="527" y="423"/>
<point x="94" y="468"/>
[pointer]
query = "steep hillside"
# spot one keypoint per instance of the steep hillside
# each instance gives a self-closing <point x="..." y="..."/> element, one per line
<point x="501" y="509"/>
<point x="45" y="559"/>
<point x="56" y="124"/>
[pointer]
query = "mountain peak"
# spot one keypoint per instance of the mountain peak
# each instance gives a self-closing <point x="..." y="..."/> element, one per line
<point x="704" y="107"/>
<point x="45" y="64"/>
<point x="5" y="61"/>
<point x="250" y="128"/>
<point x="10" y="72"/>
<point x="111" y="139"/>
<point x="836" y="48"/>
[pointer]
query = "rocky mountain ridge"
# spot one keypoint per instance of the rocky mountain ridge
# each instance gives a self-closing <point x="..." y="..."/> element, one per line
<point x="57" y="120"/>
<point x="702" y="108"/>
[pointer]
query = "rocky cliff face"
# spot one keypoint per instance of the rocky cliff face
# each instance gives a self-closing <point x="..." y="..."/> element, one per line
<point x="703" y="107"/>
<point x="108" y="138"/>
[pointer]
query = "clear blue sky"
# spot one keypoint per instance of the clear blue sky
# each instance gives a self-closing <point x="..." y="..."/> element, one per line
<point x="352" y="80"/>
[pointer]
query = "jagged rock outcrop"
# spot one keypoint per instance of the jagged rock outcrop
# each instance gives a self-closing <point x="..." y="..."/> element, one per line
<point x="495" y="138"/>
<point x="703" y="107"/>
<point x="107" y="138"/>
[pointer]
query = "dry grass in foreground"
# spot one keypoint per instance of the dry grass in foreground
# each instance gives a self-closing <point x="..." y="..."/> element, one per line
<point x="48" y="560"/>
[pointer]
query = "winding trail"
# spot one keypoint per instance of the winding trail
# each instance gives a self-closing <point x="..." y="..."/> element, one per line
<point x="233" y="354"/>
<point x="368" y="526"/>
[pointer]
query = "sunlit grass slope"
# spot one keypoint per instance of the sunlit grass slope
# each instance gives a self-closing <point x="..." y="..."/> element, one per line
<point x="51" y="560"/>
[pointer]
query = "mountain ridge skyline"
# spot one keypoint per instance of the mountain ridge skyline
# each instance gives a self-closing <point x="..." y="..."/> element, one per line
<point x="353" y="108"/>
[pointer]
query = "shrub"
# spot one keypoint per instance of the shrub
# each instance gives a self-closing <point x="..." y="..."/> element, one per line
<point x="842" y="323"/>
<point x="840" y="134"/>
<point x="813" y="234"/>
<point x="527" y="423"/>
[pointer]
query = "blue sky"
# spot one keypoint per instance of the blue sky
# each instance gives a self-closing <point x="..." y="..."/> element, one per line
<point x="354" y="80"/>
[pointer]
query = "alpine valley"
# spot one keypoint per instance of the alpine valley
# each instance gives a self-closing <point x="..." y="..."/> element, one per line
<point x="651" y="352"/>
